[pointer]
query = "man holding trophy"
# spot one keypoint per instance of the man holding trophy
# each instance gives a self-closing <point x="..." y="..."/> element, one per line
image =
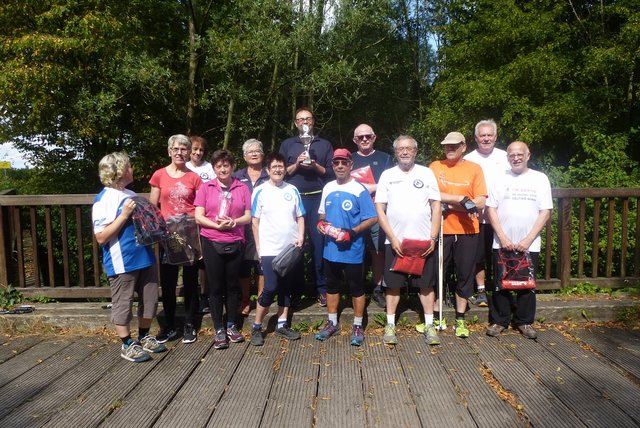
<point x="309" y="169"/>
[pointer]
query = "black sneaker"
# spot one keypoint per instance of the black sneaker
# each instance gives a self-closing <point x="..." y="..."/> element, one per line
<point x="378" y="297"/>
<point x="287" y="333"/>
<point x="256" y="337"/>
<point x="166" y="335"/>
<point x="190" y="335"/>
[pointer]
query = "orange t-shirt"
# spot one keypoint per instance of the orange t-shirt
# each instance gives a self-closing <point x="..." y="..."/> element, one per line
<point x="466" y="179"/>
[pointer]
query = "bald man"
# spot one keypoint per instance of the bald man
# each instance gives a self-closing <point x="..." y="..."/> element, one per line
<point x="519" y="206"/>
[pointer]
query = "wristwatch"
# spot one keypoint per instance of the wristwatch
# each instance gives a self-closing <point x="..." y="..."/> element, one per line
<point x="436" y="239"/>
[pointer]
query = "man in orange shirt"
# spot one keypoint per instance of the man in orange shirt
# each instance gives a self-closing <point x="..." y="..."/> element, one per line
<point x="463" y="192"/>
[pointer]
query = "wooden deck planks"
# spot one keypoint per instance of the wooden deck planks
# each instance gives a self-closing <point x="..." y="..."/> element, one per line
<point x="161" y="384"/>
<point x="464" y="366"/>
<point x="11" y="348"/>
<point x="53" y="397"/>
<point x="598" y="340"/>
<point x="340" y="400"/>
<point x="38" y="377"/>
<point x="388" y="399"/>
<point x="564" y="383"/>
<point x="194" y="403"/>
<point x="597" y="371"/>
<point x="540" y="406"/>
<point x="292" y="398"/>
<point x="108" y="394"/>
<point x="246" y="395"/>
<point x="29" y="358"/>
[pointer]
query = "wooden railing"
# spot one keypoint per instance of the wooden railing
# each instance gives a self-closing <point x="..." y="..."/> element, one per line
<point x="47" y="245"/>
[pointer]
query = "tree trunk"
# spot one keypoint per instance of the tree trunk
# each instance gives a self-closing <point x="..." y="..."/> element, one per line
<point x="227" y="130"/>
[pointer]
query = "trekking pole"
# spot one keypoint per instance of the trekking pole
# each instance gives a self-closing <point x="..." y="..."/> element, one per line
<point x="440" y="271"/>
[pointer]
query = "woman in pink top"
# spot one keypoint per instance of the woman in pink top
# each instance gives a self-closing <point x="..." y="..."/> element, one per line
<point x="223" y="207"/>
<point x="174" y="188"/>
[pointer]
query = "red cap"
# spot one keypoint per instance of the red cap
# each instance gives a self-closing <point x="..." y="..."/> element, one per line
<point x="342" y="154"/>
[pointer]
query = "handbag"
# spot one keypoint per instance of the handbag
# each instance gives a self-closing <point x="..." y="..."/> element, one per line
<point x="284" y="262"/>
<point x="182" y="247"/>
<point x="148" y="224"/>
<point x="411" y="263"/>
<point x="515" y="270"/>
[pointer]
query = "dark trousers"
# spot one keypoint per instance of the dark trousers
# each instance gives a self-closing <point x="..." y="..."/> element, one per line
<point x="500" y="301"/>
<point x="169" y="282"/>
<point x="222" y="276"/>
<point x="461" y="249"/>
<point x="316" y="239"/>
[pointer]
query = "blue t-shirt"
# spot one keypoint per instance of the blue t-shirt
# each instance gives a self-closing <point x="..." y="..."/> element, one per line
<point x="346" y="206"/>
<point x="121" y="254"/>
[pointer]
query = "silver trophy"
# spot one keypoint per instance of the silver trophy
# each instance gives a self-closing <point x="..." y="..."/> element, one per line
<point x="306" y="139"/>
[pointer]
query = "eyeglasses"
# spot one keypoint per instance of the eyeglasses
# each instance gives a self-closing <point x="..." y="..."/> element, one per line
<point x="364" y="137"/>
<point x="515" y="156"/>
<point x="304" y="119"/>
<point x="254" y="152"/>
<point x="276" y="167"/>
<point x="344" y="162"/>
<point x="179" y="150"/>
<point x="406" y="149"/>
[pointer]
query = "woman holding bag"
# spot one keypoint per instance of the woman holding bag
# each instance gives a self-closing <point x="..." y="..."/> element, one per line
<point x="223" y="208"/>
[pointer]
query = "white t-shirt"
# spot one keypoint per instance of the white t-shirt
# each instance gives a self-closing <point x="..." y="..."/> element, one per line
<point x="493" y="164"/>
<point x="407" y="195"/>
<point x="518" y="200"/>
<point x="278" y="208"/>
<point x="205" y="171"/>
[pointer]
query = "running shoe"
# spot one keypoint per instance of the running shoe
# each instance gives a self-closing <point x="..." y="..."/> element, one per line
<point x="461" y="329"/>
<point x="528" y="331"/>
<point x="494" y="330"/>
<point x="357" y="335"/>
<point x="220" y="340"/>
<point x="431" y="336"/>
<point x="190" y="334"/>
<point x="390" y="337"/>
<point x="257" y="339"/>
<point x="481" y="299"/>
<point x="234" y="335"/>
<point x="287" y="333"/>
<point x="378" y="297"/>
<point x="134" y="352"/>
<point x="167" y="335"/>
<point x="322" y="300"/>
<point x="151" y="344"/>
<point x="329" y="330"/>
<point x="420" y="328"/>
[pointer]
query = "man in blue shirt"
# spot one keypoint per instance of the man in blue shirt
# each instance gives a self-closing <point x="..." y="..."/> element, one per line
<point x="346" y="211"/>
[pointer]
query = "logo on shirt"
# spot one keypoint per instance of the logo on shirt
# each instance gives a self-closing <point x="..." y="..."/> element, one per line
<point x="288" y="197"/>
<point x="418" y="184"/>
<point x="347" y="205"/>
<point x="205" y="176"/>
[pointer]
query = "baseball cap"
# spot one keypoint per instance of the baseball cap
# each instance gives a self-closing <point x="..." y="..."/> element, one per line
<point x="453" y="138"/>
<point x="342" y="154"/>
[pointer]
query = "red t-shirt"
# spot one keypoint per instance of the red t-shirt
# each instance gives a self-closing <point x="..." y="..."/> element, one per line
<point x="176" y="194"/>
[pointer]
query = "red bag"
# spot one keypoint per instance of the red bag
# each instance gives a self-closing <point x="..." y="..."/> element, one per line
<point x="515" y="271"/>
<point x="411" y="263"/>
<point x="363" y="175"/>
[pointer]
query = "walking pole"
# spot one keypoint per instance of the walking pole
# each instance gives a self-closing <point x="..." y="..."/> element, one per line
<point x="440" y="272"/>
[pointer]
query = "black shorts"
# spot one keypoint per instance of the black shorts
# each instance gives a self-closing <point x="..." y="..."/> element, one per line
<point x="398" y="280"/>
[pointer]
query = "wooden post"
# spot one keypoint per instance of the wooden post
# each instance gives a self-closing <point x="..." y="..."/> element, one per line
<point x="5" y="240"/>
<point x="564" y="232"/>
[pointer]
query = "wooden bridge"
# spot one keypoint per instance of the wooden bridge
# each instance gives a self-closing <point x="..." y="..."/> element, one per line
<point x="575" y="378"/>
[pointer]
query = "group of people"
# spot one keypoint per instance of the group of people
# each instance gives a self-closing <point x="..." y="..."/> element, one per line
<point x="346" y="205"/>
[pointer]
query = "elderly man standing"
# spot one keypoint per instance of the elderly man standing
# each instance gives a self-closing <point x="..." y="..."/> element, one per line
<point x="346" y="212"/>
<point x="493" y="162"/>
<point x="309" y="170"/>
<point x="408" y="206"/>
<point x="464" y="192"/>
<point x="376" y="161"/>
<point x="519" y="206"/>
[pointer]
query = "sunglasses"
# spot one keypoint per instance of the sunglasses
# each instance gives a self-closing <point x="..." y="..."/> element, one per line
<point x="364" y="137"/>
<point x="341" y="162"/>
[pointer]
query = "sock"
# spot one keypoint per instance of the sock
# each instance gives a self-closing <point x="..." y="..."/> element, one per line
<point x="391" y="319"/>
<point x="143" y="332"/>
<point x="357" y="321"/>
<point x="334" y="318"/>
<point x="126" y="341"/>
<point x="282" y="322"/>
<point x="459" y="315"/>
<point x="428" y="319"/>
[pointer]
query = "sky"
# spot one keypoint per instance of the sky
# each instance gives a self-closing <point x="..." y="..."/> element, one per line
<point x="9" y="154"/>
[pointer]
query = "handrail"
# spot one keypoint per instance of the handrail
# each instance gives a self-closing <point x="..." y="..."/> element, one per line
<point x="47" y="245"/>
